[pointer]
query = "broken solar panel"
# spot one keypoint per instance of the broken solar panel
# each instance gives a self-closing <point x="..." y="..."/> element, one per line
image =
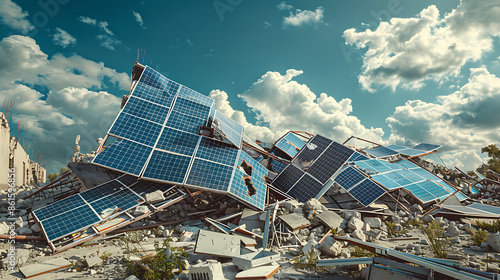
<point x="290" y="144"/>
<point x="157" y="137"/>
<point x="359" y="186"/>
<point x="312" y="168"/>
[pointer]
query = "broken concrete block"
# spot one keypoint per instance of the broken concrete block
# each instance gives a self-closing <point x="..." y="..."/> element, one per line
<point x="453" y="231"/>
<point x="186" y="236"/>
<point x="366" y="227"/>
<point x="44" y="267"/>
<point x="358" y="234"/>
<point x="331" y="247"/>
<point x="155" y="197"/>
<point x="4" y="228"/>
<point x="22" y="256"/>
<point x="256" y="259"/>
<point x="373" y="222"/>
<point x="295" y="221"/>
<point x="217" y="244"/>
<point x="314" y="204"/>
<point x="416" y="208"/>
<point x="141" y="210"/>
<point x="263" y="272"/>
<point x="211" y="270"/>
<point x="93" y="260"/>
<point x="293" y="205"/>
<point x="24" y="231"/>
<point x="428" y="218"/>
<point x="331" y="219"/>
<point x="355" y="224"/>
<point x="310" y="247"/>
<point x="36" y="228"/>
<point x="493" y="240"/>
<point x="19" y="222"/>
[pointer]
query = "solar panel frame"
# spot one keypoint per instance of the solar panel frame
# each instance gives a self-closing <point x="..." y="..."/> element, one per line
<point x="124" y="200"/>
<point x="306" y="187"/>
<point x="381" y="152"/>
<point x="69" y="222"/>
<point x="62" y="206"/>
<point x="153" y="112"/>
<point x="167" y="167"/>
<point x="119" y="157"/>
<point x="177" y="141"/>
<point x="136" y="129"/>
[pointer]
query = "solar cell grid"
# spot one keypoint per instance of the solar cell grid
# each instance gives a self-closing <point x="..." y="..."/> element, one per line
<point x="153" y="78"/>
<point x="349" y="177"/>
<point x="305" y="188"/>
<point x="195" y="96"/>
<point x="420" y="193"/>
<point x="125" y="156"/>
<point x="381" y="151"/>
<point x="191" y="108"/>
<point x="426" y="147"/>
<point x="122" y="200"/>
<point x="101" y="191"/>
<point x="386" y="181"/>
<point x="367" y="192"/>
<point x="290" y="144"/>
<point x="59" y="207"/>
<point x="330" y="161"/>
<point x="240" y="190"/>
<point x="185" y="122"/>
<point x="357" y="157"/>
<point x="136" y="129"/>
<point x="434" y="189"/>
<point x="236" y="127"/>
<point x="127" y="179"/>
<point x="408" y="174"/>
<point x="216" y="151"/>
<point x="146" y="110"/>
<point x="485" y="207"/>
<point x="277" y="166"/>
<point x="398" y="178"/>
<point x="178" y="141"/>
<point x="286" y="179"/>
<point x="167" y="167"/>
<point x="158" y="96"/>
<point x="210" y="175"/>
<point x="311" y="152"/>
<point x="73" y="220"/>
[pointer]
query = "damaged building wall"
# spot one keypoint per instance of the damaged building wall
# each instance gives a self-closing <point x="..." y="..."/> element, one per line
<point x="4" y="151"/>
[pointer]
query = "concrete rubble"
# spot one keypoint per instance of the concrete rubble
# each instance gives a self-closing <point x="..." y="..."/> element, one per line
<point x="317" y="233"/>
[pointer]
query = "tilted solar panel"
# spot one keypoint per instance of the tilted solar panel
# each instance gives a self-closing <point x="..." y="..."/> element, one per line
<point x="380" y="152"/>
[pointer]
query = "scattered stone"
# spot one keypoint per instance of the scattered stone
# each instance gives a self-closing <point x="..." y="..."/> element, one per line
<point x="453" y="231"/>
<point x="493" y="240"/>
<point x="212" y="270"/>
<point x="36" y="228"/>
<point x="358" y="234"/>
<point x="155" y="197"/>
<point x="355" y="224"/>
<point x="141" y="210"/>
<point x="311" y="246"/>
<point x="349" y="214"/>
<point x="314" y="204"/>
<point x="331" y="247"/>
<point x="4" y="228"/>
<point x="373" y="222"/>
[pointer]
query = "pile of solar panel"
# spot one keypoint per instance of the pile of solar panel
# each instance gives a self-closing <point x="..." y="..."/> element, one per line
<point x="424" y="185"/>
<point x="288" y="146"/>
<point x="103" y="202"/>
<point x="362" y="188"/>
<point x="391" y="150"/>
<point x="158" y="139"/>
<point x="310" y="171"/>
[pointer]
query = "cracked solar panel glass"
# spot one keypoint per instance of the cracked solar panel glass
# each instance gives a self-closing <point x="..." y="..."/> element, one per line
<point x="381" y="151"/>
<point x="102" y="190"/>
<point x="286" y="179"/>
<point x="290" y="144"/>
<point x="386" y="182"/>
<point x="209" y="175"/>
<point x="125" y="156"/>
<point x="426" y="147"/>
<point x="305" y="188"/>
<point x="195" y="96"/>
<point x="311" y="152"/>
<point x="71" y="221"/>
<point x="146" y="110"/>
<point x="425" y="174"/>
<point x="136" y="129"/>
<point x="420" y="193"/>
<point x="349" y="177"/>
<point x="185" y="122"/>
<point x="277" y="166"/>
<point x="412" y="152"/>
<point x="59" y="207"/>
<point x="485" y="207"/>
<point x="191" y="108"/>
<point x="158" y="96"/>
<point x="357" y="157"/>
<point x="367" y="192"/>
<point x="406" y="164"/>
<point x="122" y="200"/>
<point x="127" y="179"/>
<point x="154" y="79"/>
<point x="144" y="187"/>
<point x="178" y="141"/>
<point x="330" y="161"/>
<point x="240" y="190"/>
<point x="167" y="167"/>
<point x="216" y="151"/>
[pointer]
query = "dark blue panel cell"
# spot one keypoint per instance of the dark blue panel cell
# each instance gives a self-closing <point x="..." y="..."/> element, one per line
<point x="230" y="129"/>
<point x="330" y="161"/>
<point x="286" y="179"/>
<point x="68" y="222"/>
<point x="59" y="207"/>
<point x="408" y="174"/>
<point x="195" y="96"/>
<point x="167" y="167"/>
<point x="125" y="156"/>
<point x="381" y="151"/>
<point x="154" y="79"/>
<point x="357" y="156"/>
<point x="155" y="95"/>
<point x="305" y="188"/>
<point x="385" y="181"/>
<point x="210" y="175"/>
<point x="349" y="177"/>
<point x="213" y="150"/>
<point x="134" y="128"/>
<point x="178" y="141"/>
<point x="122" y="200"/>
<point x="277" y="165"/>
<point x="127" y="180"/>
<point x="102" y="190"/>
<point x="427" y="147"/>
<point x="406" y="164"/>
<point x="191" y="108"/>
<point x="367" y="192"/>
<point x="185" y="122"/>
<point x="146" y="110"/>
<point x="311" y="152"/>
<point x="420" y="193"/>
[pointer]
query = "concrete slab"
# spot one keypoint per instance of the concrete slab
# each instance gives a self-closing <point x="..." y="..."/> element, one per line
<point x="331" y="219"/>
<point x="295" y="221"/>
<point x="250" y="218"/>
<point x="217" y="244"/>
<point x="44" y="267"/>
<point x="93" y="260"/>
<point x="261" y="272"/>
<point x="256" y="259"/>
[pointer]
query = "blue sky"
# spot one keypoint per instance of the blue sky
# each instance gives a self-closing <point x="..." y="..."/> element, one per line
<point x="395" y="71"/>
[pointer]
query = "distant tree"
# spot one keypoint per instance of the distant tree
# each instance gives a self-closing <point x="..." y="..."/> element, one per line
<point x="63" y="169"/>
<point x="52" y="176"/>
<point x="493" y="162"/>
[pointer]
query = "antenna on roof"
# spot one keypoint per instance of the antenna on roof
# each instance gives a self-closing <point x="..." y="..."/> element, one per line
<point x="141" y="53"/>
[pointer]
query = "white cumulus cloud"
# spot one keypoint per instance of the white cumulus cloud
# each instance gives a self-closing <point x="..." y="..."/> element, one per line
<point x="284" y="6"/>
<point x="12" y="15"/>
<point x="107" y="38"/>
<point x="139" y="19"/>
<point x="409" y="51"/>
<point x="303" y="17"/>
<point x="63" y="38"/>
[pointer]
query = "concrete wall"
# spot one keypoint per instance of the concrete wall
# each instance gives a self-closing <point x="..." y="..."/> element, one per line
<point x="4" y="152"/>
<point x="21" y="165"/>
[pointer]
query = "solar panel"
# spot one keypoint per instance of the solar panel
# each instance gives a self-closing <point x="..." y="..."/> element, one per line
<point x="127" y="180"/>
<point x="136" y="129"/>
<point x="464" y="209"/>
<point x="286" y="179"/>
<point x="290" y="144"/>
<point x="177" y="141"/>
<point x="380" y="152"/>
<point x="68" y="222"/>
<point x="311" y="151"/>
<point x="434" y="189"/>
<point x="372" y="166"/>
<point x="155" y="95"/>
<point x="195" y="96"/>
<point x="167" y="167"/>
<point x="386" y="181"/>
<point x="412" y="152"/>
<point x="122" y="200"/>
<point x="357" y="157"/>
<point x="216" y="151"/>
<point x="367" y="192"/>
<point x="144" y="187"/>
<point x="481" y="177"/>
<point x="102" y="190"/>
<point x="305" y="188"/>
<point x="406" y="164"/>
<point x="229" y="128"/>
<point x="349" y="177"/>
<point x="146" y="110"/>
<point x="427" y="147"/>
<point x="420" y="193"/>
<point x="59" y="207"/>
<point x="330" y="161"/>
<point x="185" y="122"/>
<point x="210" y="175"/>
<point x="485" y="207"/>
<point x="124" y="155"/>
<point x="154" y="79"/>
<point x="191" y="108"/>
<point x="277" y="166"/>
